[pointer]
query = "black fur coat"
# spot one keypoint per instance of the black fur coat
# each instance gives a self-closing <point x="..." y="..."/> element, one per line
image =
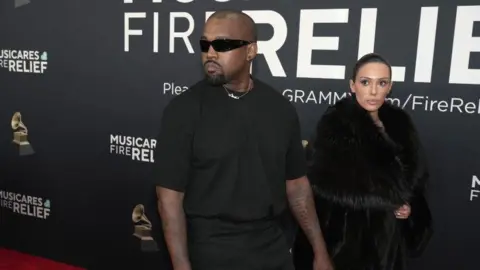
<point x="360" y="176"/>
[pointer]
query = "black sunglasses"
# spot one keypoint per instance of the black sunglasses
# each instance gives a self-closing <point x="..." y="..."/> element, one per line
<point x="222" y="45"/>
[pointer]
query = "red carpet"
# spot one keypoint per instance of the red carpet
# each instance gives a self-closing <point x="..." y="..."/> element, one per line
<point x="13" y="260"/>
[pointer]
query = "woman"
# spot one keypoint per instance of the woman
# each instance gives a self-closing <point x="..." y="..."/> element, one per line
<point x="369" y="177"/>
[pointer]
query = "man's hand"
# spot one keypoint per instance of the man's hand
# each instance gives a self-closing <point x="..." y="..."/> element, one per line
<point x="323" y="263"/>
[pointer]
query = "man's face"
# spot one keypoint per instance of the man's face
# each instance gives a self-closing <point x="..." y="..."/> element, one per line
<point x="222" y="67"/>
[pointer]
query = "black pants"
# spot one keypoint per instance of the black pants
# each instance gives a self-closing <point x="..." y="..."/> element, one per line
<point x="220" y="245"/>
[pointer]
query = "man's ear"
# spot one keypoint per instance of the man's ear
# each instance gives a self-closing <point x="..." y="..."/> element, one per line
<point x="252" y="51"/>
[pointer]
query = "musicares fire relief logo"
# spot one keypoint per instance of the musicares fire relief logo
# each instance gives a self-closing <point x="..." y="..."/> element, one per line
<point x="475" y="188"/>
<point x="139" y="149"/>
<point x="25" y="205"/>
<point x="143" y="229"/>
<point x="24" y="61"/>
<point x="20" y="135"/>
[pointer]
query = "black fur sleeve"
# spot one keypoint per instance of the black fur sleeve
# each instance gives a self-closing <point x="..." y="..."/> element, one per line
<point x="419" y="177"/>
<point x="419" y="226"/>
<point x="345" y="170"/>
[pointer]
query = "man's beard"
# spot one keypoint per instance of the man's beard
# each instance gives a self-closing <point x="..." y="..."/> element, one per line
<point x="217" y="79"/>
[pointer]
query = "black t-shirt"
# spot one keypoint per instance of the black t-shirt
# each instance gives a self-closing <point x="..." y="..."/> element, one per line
<point x="231" y="157"/>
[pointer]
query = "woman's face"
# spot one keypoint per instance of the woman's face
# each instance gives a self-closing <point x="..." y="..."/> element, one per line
<point x="372" y="85"/>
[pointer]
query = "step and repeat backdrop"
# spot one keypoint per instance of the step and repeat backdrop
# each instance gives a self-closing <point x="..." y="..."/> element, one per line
<point x="83" y="85"/>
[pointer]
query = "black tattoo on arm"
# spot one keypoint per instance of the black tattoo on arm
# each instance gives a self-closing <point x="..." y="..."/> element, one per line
<point x="300" y="198"/>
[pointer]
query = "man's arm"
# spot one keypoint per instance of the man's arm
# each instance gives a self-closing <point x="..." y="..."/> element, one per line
<point x="300" y="198"/>
<point x="170" y="208"/>
<point x="172" y="170"/>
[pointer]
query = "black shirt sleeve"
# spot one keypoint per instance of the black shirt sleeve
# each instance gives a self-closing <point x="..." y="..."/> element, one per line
<point x="174" y="144"/>
<point x="296" y="164"/>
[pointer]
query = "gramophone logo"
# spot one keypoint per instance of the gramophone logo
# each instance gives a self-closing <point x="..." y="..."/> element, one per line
<point x="143" y="229"/>
<point x="20" y="135"/>
<point x="304" y="143"/>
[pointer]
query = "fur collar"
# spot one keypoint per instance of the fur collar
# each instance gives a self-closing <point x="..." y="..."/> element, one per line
<point x="353" y="164"/>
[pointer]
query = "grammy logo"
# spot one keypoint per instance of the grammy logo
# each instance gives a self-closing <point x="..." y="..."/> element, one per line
<point x="304" y="143"/>
<point x="20" y="135"/>
<point x="143" y="229"/>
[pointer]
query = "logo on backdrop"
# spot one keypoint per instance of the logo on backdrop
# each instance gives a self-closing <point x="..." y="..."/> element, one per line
<point x="138" y="148"/>
<point x="20" y="3"/>
<point x="463" y="40"/>
<point x="143" y="229"/>
<point x="461" y="71"/>
<point x="25" y="205"/>
<point x="170" y="88"/>
<point x="24" y="61"/>
<point x="20" y="136"/>
<point x="304" y="143"/>
<point x="475" y="188"/>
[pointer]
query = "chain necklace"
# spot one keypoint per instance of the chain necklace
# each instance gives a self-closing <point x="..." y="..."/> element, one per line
<point x="231" y="95"/>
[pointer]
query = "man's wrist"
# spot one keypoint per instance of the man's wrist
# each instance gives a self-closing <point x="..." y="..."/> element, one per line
<point x="182" y="265"/>
<point x="321" y="254"/>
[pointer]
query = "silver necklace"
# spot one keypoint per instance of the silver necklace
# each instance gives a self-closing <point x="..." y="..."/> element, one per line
<point x="231" y="95"/>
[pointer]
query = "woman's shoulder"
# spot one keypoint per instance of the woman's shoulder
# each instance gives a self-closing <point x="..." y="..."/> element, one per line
<point x="347" y="111"/>
<point x="343" y="116"/>
<point x="396" y="117"/>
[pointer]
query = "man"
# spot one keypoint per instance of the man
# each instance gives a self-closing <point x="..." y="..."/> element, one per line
<point x="229" y="155"/>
